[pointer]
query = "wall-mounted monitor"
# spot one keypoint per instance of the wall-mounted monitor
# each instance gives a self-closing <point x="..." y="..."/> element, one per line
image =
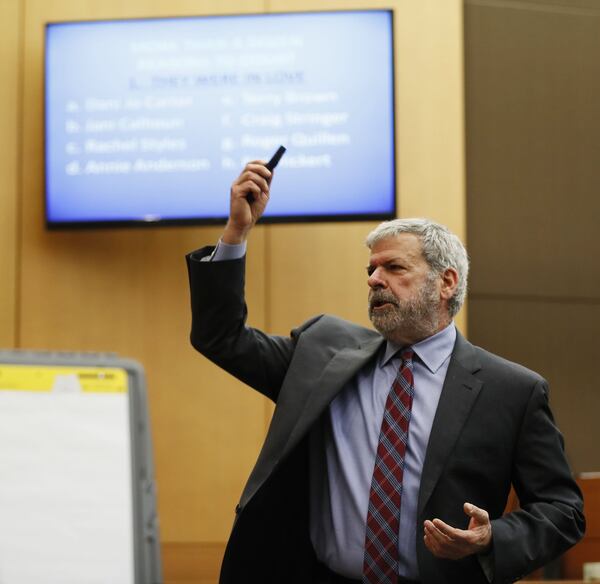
<point x="149" y="121"/>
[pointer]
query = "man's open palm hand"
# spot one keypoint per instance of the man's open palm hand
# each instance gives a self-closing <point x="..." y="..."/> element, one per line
<point x="445" y="541"/>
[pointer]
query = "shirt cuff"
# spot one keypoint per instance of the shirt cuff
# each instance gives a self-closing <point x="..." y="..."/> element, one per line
<point x="226" y="251"/>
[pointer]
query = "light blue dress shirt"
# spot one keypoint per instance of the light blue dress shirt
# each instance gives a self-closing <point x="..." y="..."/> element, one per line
<point x="341" y="480"/>
<point x="341" y="473"/>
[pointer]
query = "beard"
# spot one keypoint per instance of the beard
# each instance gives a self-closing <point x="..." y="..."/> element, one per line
<point x="412" y="320"/>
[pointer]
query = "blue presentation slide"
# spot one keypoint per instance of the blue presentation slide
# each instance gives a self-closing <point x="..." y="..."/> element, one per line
<point x="150" y="120"/>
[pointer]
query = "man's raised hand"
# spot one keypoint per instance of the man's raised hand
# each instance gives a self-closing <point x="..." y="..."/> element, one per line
<point x="249" y="198"/>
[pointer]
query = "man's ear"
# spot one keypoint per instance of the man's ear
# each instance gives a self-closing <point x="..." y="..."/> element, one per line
<point x="449" y="283"/>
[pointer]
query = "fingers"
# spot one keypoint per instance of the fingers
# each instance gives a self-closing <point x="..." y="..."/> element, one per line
<point x="448" y="531"/>
<point x="249" y="187"/>
<point x="445" y="541"/>
<point x="256" y="171"/>
<point x="249" y="199"/>
<point x="437" y="542"/>
<point x="480" y="515"/>
<point x="261" y="166"/>
<point x="253" y="183"/>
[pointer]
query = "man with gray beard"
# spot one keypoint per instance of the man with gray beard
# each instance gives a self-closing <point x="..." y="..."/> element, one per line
<point x="390" y="315"/>
<point x="391" y="454"/>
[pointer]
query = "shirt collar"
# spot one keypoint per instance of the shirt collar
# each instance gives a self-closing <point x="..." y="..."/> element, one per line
<point x="432" y="351"/>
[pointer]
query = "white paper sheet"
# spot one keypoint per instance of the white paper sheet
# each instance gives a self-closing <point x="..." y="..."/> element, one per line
<point x="66" y="511"/>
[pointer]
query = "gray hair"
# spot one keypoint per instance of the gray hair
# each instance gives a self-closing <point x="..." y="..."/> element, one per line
<point x="441" y="250"/>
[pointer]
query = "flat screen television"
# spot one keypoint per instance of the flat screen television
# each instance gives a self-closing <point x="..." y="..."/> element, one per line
<point x="148" y="121"/>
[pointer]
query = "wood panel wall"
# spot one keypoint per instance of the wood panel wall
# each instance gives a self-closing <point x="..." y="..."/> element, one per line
<point x="125" y="290"/>
<point x="10" y="68"/>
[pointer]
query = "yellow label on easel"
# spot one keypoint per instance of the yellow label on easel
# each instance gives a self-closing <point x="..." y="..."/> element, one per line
<point x="63" y="379"/>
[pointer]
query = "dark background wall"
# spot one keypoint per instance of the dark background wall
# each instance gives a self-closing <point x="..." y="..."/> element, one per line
<point x="532" y="108"/>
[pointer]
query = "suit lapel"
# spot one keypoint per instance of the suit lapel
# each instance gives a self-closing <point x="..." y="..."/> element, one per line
<point x="459" y="393"/>
<point x="344" y="365"/>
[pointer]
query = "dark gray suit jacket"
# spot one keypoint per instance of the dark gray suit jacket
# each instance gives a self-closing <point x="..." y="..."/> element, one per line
<point x="492" y="428"/>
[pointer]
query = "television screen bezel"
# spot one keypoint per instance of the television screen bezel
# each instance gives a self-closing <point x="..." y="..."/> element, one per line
<point x="217" y="221"/>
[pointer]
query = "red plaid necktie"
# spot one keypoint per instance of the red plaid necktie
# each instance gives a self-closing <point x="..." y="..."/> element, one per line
<point x="383" y="518"/>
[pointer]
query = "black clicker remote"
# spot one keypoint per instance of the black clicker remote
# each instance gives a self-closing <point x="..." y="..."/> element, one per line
<point x="270" y="165"/>
<point x="276" y="158"/>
